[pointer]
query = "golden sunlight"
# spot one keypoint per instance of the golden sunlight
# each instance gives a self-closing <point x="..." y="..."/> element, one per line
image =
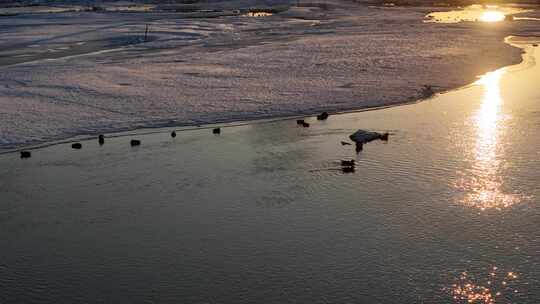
<point x="487" y="289"/>
<point x="484" y="185"/>
<point x="474" y="13"/>
<point x="492" y="16"/>
<point x="258" y="14"/>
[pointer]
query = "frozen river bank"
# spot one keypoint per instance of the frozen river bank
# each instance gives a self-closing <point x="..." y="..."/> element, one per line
<point x="81" y="73"/>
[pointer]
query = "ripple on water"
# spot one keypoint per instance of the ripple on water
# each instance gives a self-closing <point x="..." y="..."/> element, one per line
<point x="495" y="286"/>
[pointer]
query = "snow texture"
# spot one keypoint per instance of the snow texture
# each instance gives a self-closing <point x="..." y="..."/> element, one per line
<point x="83" y="73"/>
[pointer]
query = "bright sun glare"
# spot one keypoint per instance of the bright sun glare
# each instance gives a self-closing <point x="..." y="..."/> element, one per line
<point x="492" y="16"/>
<point x="484" y="183"/>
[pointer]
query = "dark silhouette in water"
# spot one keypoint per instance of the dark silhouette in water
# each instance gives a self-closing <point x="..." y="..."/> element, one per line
<point x="349" y="163"/>
<point x="101" y="140"/>
<point x="77" y="146"/>
<point x="322" y="116"/>
<point x="348" y="166"/>
<point x="427" y="91"/>
<point x="535" y="45"/>
<point x="135" y="142"/>
<point x="173" y="134"/>
<point x="216" y="131"/>
<point x="300" y="122"/>
<point x="146" y="34"/>
<point x="26" y="154"/>
<point x="305" y="124"/>
<point x="344" y="143"/>
<point x="348" y="169"/>
<point x="359" y="147"/>
<point x="363" y="136"/>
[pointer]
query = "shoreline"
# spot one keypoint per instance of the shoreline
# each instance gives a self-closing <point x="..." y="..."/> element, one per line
<point x="525" y="60"/>
<point x="337" y="97"/>
<point x="271" y="213"/>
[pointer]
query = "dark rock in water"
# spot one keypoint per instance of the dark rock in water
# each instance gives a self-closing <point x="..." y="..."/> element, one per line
<point x="344" y="143"/>
<point x="535" y="44"/>
<point x="216" y="131"/>
<point x="349" y="163"/>
<point x="76" y="146"/>
<point x="26" y="154"/>
<point x="305" y="125"/>
<point x="135" y="142"/>
<point x="347" y="169"/>
<point x="101" y="139"/>
<point x="427" y="91"/>
<point x="173" y="134"/>
<point x="300" y="122"/>
<point x="322" y="116"/>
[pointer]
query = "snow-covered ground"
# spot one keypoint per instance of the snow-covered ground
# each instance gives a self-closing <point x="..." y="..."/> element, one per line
<point x="83" y="73"/>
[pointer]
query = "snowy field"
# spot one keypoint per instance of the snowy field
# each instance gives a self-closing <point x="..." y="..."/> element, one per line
<point x="82" y="72"/>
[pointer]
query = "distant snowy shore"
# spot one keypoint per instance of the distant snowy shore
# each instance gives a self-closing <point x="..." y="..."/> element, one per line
<point x="82" y="73"/>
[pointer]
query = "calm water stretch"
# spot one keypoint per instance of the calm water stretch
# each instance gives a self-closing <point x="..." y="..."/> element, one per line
<point x="445" y="212"/>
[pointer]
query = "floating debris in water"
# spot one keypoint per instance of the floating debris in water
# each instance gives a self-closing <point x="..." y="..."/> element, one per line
<point x="322" y="116"/>
<point x="349" y="163"/>
<point x="173" y="134"/>
<point x="305" y="125"/>
<point x="77" y="146"/>
<point x="363" y="136"/>
<point x="300" y="122"/>
<point x="348" y="169"/>
<point x="344" y="143"/>
<point x="216" y="131"/>
<point x="427" y="91"/>
<point x="101" y="140"/>
<point x="348" y="166"/>
<point x="135" y="142"/>
<point x="26" y="154"/>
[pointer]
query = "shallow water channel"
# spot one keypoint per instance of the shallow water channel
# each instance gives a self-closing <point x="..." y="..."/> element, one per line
<point x="445" y="211"/>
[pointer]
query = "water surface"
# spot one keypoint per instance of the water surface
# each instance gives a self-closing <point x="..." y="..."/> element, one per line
<point x="445" y="212"/>
<point x="477" y="13"/>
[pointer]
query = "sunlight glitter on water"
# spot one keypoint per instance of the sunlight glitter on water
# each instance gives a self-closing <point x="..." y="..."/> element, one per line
<point x="491" y="288"/>
<point x="492" y="16"/>
<point x="488" y="120"/>
<point x="484" y="183"/>
<point x="487" y="13"/>
<point x="244" y="207"/>
<point x="258" y="14"/>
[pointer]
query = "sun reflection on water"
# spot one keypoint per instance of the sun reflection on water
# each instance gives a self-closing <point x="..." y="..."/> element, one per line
<point x="474" y="13"/>
<point x="258" y="14"/>
<point x="484" y="183"/>
<point x="494" y="287"/>
<point x="492" y="16"/>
